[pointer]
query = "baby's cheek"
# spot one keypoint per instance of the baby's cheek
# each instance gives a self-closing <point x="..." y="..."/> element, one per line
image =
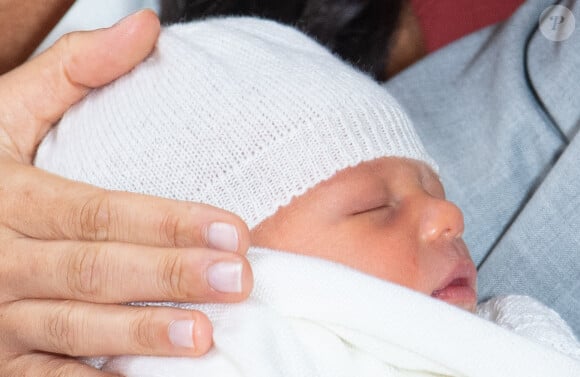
<point x="402" y="271"/>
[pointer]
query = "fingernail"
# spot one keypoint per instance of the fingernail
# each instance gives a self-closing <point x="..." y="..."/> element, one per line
<point x="222" y="236"/>
<point x="225" y="277"/>
<point x="181" y="333"/>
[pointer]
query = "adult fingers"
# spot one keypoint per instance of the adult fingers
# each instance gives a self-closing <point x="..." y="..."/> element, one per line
<point x="109" y="272"/>
<point x="45" y="365"/>
<point x="38" y="93"/>
<point x="82" y="329"/>
<point x="44" y="206"/>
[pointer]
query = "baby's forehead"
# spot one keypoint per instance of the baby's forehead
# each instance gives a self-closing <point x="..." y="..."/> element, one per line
<point x="382" y="167"/>
<point x="367" y="176"/>
<point x="371" y="179"/>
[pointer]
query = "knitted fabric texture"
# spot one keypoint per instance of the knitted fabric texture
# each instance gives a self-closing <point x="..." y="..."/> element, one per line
<point x="532" y="319"/>
<point x="240" y="113"/>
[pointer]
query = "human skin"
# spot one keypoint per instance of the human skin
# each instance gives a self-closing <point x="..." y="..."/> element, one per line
<point x="388" y="218"/>
<point x="72" y="253"/>
<point x="23" y="25"/>
<point x="407" y="45"/>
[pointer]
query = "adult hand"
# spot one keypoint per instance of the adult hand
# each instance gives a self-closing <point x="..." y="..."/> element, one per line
<point x="71" y="253"/>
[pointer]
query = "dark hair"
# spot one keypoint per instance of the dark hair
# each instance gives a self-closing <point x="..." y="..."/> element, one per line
<point x="359" y="31"/>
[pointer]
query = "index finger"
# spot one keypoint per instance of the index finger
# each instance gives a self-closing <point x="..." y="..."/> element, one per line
<point x="63" y="209"/>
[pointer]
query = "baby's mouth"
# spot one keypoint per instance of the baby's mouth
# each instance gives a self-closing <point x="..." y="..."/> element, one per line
<point x="459" y="287"/>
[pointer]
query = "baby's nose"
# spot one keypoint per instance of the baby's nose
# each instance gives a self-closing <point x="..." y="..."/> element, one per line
<point x="440" y="218"/>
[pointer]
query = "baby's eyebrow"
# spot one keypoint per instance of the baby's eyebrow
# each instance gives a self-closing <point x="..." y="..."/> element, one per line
<point x="427" y="171"/>
<point x="431" y="178"/>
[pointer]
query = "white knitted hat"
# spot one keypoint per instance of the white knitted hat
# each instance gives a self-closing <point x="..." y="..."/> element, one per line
<point x="240" y="113"/>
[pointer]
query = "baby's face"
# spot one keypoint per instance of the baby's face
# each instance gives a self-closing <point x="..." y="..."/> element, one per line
<point x="388" y="218"/>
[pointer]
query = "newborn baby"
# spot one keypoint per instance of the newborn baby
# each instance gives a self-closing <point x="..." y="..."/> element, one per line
<point x="320" y="161"/>
<point x="386" y="217"/>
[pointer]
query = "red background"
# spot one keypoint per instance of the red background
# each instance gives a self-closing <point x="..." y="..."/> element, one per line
<point x="444" y="21"/>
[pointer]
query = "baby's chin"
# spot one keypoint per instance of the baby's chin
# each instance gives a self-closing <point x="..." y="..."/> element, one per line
<point x="470" y="307"/>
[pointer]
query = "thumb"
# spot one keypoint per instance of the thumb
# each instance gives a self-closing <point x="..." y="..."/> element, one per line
<point x="36" y="94"/>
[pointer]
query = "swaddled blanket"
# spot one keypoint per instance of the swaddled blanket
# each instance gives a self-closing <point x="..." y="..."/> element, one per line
<point x="310" y="317"/>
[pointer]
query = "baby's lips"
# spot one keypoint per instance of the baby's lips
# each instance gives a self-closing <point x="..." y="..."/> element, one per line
<point x="458" y="293"/>
<point x="459" y="286"/>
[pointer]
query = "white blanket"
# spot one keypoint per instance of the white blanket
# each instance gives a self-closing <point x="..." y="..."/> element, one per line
<point x="309" y="317"/>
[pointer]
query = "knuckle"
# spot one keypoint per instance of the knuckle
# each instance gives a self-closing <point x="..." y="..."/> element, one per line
<point x="60" y="331"/>
<point x="95" y="217"/>
<point x="62" y="51"/>
<point x="65" y="49"/>
<point x="169" y="230"/>
<point x="65" y="41"/>
<point x="84" y="271"/>
<point x="142" y="331"/>
<point x="171" y="277"/>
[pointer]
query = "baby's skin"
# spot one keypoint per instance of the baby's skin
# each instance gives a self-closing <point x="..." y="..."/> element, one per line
<point x="388" y="218"/>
